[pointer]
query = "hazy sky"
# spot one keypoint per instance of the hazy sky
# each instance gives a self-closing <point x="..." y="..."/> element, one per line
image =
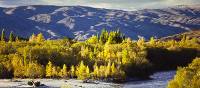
<point x="110" y="4"/>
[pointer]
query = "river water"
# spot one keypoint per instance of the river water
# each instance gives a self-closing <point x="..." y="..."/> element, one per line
<point x="158" y="80"/>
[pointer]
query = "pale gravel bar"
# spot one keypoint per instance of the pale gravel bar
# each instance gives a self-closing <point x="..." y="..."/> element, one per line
<point x="56" y="83"/>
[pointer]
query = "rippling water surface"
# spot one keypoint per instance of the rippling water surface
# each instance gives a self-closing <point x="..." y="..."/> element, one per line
<point x="159" y="80"/>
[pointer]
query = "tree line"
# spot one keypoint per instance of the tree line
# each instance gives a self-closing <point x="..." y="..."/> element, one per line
<point x="108" y="56"/>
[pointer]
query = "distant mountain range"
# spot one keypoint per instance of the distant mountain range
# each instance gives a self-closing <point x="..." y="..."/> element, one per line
<point x="81" y="22"/>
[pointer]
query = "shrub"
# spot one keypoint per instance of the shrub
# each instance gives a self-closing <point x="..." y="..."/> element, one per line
<point x="187" y="77"/>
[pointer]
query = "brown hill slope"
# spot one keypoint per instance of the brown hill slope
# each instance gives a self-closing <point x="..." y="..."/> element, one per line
<point x="178" y="37"/>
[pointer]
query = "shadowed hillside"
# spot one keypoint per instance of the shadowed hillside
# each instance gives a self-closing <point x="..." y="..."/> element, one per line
<point x="81" y="22"/>
<point x="190" y="35"/>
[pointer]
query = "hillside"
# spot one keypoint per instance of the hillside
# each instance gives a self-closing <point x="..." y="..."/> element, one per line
<point x="178" y="37"/>
<point x="81" y="22"/>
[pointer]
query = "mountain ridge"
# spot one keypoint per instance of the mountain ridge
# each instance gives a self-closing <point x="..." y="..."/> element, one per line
<point x="81" y="22"/>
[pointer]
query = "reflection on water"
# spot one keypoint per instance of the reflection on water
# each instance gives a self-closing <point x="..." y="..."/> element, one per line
<point x="159" y="80"/>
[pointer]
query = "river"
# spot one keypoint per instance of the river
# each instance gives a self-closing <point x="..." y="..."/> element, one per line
<point x="158" y="80"/>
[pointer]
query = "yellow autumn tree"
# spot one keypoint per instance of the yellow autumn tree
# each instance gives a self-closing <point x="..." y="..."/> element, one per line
<point x="92" y="40"/>
<point x="34" y="70"/>
<point x="125" y="58"/>
<point x="113" y="69"/>
<point x="19" y="70"/>
<point x="141" y="43"/>
<point x="49" y="69"/>
<point x="87" y="72"/>
<point x="81" y="71"/>
<point x="96" y="71"/>
<point x="54" y="72"/>
<point x="72" y="71"/>
<point x="63" y="71"/>
<point x="40" y="37"/>
<point x="102" y="70"/>
<point x="32" y="38"/>
<point x="152" y="41"/>
<point x="108" y="70"/>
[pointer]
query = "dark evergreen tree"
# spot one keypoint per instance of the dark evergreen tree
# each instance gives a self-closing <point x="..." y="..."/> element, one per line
<point x="3" y="35"/>
<point x="11" y="37"/>
<point x="104" y="36"/>
<point x="115" y="37"/>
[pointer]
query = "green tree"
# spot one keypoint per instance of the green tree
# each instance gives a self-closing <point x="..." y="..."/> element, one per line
<point x="111" y="38"/>
<point x="115" y="37"/>
<point x="11" y="37"/>
<point x="3" y="35"/>
<point x="104" y="36"/>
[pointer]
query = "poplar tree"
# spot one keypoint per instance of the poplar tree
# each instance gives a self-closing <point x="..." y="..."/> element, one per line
<point x="104" y="36"/>
<point x="17" y="39"/>
<point x="49" y="69"/>
<point x="96" y="70"/>
<point x="54" y="71"/>
<point x="102" y="70"/>
<point x="113" y="69"/>
<point x="34" y="70"/>
<point x="72" y="71"/>
<point x="108" y="68"/>
<point x="87" y="72"/>
<point x="32" y="38"/>
<point x="40" y="37"/>
<point x="63" y="72"/>
<point x="152" y="41"/>
<point x="11" y="37"/>
<point x="3" y="35"/>
<point x="141" y="43"/>
<point x="124" y="56"/>
<point x="81" y="71"/>
<point x="92" y="40"/>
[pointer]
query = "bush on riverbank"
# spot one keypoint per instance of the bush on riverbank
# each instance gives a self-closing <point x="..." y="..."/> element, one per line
<point x="187" y="77"/>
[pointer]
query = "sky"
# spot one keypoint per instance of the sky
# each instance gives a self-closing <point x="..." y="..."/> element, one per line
<point x="109" y="4"/>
